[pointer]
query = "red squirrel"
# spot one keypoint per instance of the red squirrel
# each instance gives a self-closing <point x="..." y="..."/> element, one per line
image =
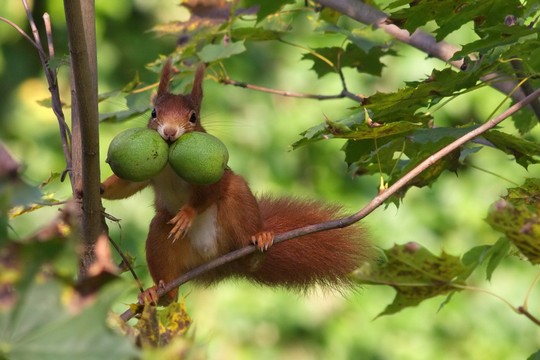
<point x="194" y="223"/>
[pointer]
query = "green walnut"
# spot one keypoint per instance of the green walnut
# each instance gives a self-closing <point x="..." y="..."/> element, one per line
<point x="137" y="154"/>
<point x="199" y="158"/>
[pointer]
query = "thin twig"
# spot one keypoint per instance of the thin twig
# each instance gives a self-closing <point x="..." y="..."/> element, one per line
<point x="528" y="295"/>
<point x="25" y="35"/>
<point x="56" y="102"/>
<point x="65" y="133"/>
<point x="534" y="319"/>
<point x="485" y="291"/>
<point x="33" y="26"/>
<point x="126" y="262"/>
<point x="244" y="85"/>
<point x="347" y="221"/>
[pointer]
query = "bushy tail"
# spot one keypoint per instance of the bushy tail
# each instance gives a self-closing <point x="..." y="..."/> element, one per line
<point x="324" y="258"/>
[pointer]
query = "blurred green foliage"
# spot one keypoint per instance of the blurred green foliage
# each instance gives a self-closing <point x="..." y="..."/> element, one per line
<point x="241" y="321"/>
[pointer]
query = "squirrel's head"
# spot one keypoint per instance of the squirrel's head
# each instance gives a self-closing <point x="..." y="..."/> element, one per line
<point x="174" y="115"/>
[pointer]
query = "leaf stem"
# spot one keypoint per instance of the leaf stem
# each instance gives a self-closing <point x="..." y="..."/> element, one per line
<point x="485" y="291"/>
<point x="529" y="291"/>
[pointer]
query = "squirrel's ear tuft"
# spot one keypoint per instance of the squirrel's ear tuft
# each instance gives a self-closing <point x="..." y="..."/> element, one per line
<point x="196" y="91"/>
<point x="163" y="87"/>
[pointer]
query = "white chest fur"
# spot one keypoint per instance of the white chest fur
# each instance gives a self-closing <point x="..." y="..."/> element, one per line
<point x="203" y="233"/>
<point x="172" y="196"/>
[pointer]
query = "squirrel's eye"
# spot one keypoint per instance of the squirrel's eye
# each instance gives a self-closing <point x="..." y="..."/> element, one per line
<point x="193" y="117"/>
<point x="154" y="113"/>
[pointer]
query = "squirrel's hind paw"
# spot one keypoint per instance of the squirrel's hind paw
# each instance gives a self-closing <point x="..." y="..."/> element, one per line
<point x="263" y="240"/>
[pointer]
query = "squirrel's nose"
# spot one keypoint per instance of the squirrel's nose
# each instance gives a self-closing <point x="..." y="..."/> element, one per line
<point x="169" y="133"/>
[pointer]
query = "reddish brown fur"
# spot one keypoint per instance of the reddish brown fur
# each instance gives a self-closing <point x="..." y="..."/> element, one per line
<point x="324" y="258"/>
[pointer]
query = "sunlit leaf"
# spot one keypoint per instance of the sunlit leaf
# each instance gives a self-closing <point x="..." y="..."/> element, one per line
<point x="355" y="127"/>
<point x="122" y="115"/>
<point x="213" y="52"/>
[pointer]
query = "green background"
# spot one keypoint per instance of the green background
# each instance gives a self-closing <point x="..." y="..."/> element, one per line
<point x="240" y="320"/>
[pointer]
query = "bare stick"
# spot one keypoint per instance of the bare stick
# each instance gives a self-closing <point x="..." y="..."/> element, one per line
<point x="32" y="23"/>
<point x="48" y="31"/>
<point x="347" y="221"/>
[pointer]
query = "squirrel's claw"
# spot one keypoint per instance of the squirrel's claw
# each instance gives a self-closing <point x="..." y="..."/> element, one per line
<point x="263" y="240"/>
<point x="150" y="296"/>
<point x="181" y="222"/>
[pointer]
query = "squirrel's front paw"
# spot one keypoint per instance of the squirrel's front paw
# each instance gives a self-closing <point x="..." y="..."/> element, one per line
<point x="263" y="240"/>
<point x="182" y="222"/>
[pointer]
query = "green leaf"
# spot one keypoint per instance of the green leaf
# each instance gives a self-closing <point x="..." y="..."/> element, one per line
<point x="354" y="127"/>
<point x="450" y="15"/>
<point x="122" y="115"/>
<point x="266" y="8"/>
<point x="498" y="252"/>
<point x="18" y="192"/>
<point x="526" y="152"/>
<point x="352" y="56"/>
<point x="137" y="103"/>
<point x="492" y="254"/>
<point x="406" y="103"/>
<point x="496" y="36"/>
<point x="396" y="155"/>
<point x="214" y="52"/>
<point x="416" y="275"/>
<point x="256" y="34"/>
<point x="516" y="216"/>
<point x="535" y="356"/>
<point x="42" y="327"/>
<point x="524" y="120"/>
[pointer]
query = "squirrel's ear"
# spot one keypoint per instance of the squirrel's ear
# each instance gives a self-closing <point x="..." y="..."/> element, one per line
<point x="163" y="87"/>
<point x="196" y="91"/>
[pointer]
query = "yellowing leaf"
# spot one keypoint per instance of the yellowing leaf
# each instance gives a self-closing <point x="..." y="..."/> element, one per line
<point x="161" y="327"/>
<point x="416" y="275"/>
<point x="516" y="215"/>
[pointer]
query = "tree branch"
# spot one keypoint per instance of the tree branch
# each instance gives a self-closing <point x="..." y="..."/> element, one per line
<point x="80" y="18"/>
<point x="347" y="221"/>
